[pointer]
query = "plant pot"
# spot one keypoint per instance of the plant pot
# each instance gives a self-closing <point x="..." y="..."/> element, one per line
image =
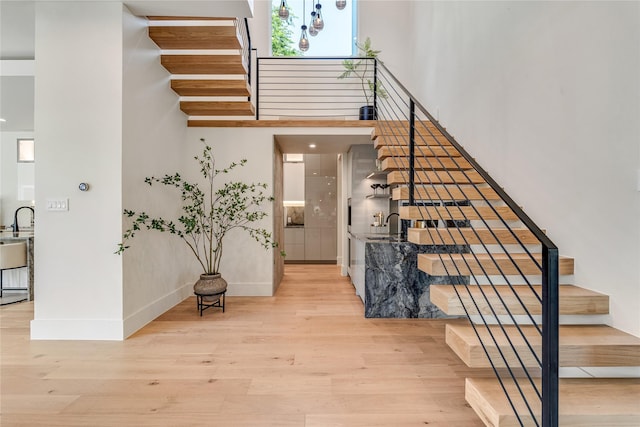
<point x="210" y="286"/>
<point x="367" y="112"/>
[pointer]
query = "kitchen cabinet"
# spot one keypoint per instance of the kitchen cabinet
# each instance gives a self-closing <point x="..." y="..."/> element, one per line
<point x="294" y="245"/>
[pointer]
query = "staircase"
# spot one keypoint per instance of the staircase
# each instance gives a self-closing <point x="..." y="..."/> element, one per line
<point x="209" y="61"/>
<point x="501" y="301"/>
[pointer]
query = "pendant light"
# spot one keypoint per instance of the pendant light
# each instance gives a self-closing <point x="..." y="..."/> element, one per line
<point x="304" y="40"/>
<point x="283" y="11"/>
<point x="341" y="4"/>
<point x="312" y="30"/>
<point x="318" y="22"/>
<point x="303" y="44"/>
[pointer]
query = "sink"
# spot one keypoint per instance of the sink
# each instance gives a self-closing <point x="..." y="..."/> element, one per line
<point x="385" y="238"/>
<point x="13" y="255"/>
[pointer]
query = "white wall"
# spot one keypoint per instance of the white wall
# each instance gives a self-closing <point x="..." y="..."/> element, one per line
<point x="546" y="96"/>
<point x="158" y="269"/>
<point x="246" y="265"/>
<point x="78" y="122"/>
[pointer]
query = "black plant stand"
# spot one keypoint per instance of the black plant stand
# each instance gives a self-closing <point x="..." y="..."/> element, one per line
<point x="203" y="305"/>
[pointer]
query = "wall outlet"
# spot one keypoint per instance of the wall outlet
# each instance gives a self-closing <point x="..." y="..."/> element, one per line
<point x="57" y="205"/>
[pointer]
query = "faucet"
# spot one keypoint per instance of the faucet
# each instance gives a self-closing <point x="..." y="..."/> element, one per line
<point x="14" y="226"/>
<point x="390" y="215"/>
<point x="401" y="230"/>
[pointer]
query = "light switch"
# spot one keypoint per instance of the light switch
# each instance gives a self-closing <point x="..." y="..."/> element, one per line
<point x="57" y="205"/>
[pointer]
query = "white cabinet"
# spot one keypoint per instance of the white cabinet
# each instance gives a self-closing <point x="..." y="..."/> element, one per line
<point x="293" y="182"/>
<point x="357" y="267"/>
<point x="294" y="244"/>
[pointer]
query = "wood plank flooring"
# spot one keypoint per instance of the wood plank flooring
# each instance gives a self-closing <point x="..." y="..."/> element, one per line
<point x="306" y="357"/>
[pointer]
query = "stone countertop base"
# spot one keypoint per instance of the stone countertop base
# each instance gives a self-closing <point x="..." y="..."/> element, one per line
<point x="394" y="286"/>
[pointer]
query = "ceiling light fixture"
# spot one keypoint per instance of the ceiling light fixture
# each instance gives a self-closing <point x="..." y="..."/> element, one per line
<point x="304" y="40"/>
<point x="2" y="120"/>
<point x="283" y="11"/>
<point x="317" y="22"/>
<point x="312" y="145"/>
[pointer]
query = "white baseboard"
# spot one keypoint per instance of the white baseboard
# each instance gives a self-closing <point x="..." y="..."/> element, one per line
<point x="77" y="329"/>
<point x="139" y="319"/>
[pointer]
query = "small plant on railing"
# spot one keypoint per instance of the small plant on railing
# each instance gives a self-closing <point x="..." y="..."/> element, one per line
<point x="362" y="69"/>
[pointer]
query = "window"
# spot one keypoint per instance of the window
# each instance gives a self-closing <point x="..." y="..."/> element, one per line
<point x="335" y="39"/>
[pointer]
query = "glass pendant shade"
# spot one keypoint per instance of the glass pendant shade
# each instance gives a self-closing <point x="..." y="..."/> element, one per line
<point x="283" y="11"/>
<point x="318" y="22"/>
<point x="312" y="29"/>
<point x="341" y="4"/>
<point x="304" y="40"/>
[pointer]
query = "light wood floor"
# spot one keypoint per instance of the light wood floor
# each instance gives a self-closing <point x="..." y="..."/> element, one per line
<point x="306" y="357"/>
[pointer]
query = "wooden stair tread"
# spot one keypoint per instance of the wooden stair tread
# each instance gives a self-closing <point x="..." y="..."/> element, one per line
<point x="217" y="108"/>
<point x="579" y="345"/>
<point x="423" y="142"/>
<point x="196" y="37"/>
<point x="593" y="402"/>
<point x="306" y="123"/>
<point x="574" y="300"/>
<point x="210" y="87"/>
<point x="459" y="213"/>
<point x="385" y="151"/>
<point x="428" y="177"/>
<point x="203" y="64"/>
<point x="401" y="127"/>
<point x="469" y="236"/>
<point x="465" y="264"/>
<point x="426" y="163"/>
<point x="446" y="193"/>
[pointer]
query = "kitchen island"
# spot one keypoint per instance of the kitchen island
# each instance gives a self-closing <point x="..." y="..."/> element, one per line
<point x="384" y="271"/>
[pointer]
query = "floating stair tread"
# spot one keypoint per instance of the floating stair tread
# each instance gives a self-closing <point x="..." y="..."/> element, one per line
<point x="574" y="300"/>
<point x="592" y="402"/>
<point x="305" y="123"/>
<point x="196" y="37"/>
<point x="401" y="127"/>
<point x="428" y="177"/>
<point x="210" y="87"/>
<point x="385" y="151"/>
<point x="579" y="345"/>
<point x="458" y="213"/>
<point x="469" y="236"/>
<point x="446" y="193"/>
<point x="203" y="64"/>
<point x="465" y="264"/>
<point x="222" y="108"/>
<point x="426" y="163"/>
<point x="423" y="142"/>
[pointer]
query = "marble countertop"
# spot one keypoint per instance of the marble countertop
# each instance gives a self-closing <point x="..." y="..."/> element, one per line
<point x="10" y="235"/>
<point x="379" y="237"/>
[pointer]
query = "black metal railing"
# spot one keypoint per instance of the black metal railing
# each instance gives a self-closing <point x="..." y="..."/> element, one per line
<point x="309" y="88"/>
<point x="242" y="28"/>
<point x="519" y="345"/>
<point x="439" y="183"/>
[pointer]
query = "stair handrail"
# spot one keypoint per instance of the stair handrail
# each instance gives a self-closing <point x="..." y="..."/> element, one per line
<point x="549" y="267"/>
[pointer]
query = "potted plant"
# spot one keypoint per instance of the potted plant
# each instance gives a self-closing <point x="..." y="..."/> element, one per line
<point x="207" y="216"/>
<point x="361" y="69"/>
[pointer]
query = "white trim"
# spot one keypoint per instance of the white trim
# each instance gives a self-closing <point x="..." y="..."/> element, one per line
<point x="76" y="329"/>
<point x="147" y="314"/>
<point x="17" y="67"/>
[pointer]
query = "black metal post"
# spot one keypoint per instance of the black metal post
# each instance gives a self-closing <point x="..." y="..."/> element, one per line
<point x="246" y="26"/>
<point x="375" y="89"/>
<point x="550" y="392"/>
<point x="258" y="89"/>
<point x="412" y="152"/>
